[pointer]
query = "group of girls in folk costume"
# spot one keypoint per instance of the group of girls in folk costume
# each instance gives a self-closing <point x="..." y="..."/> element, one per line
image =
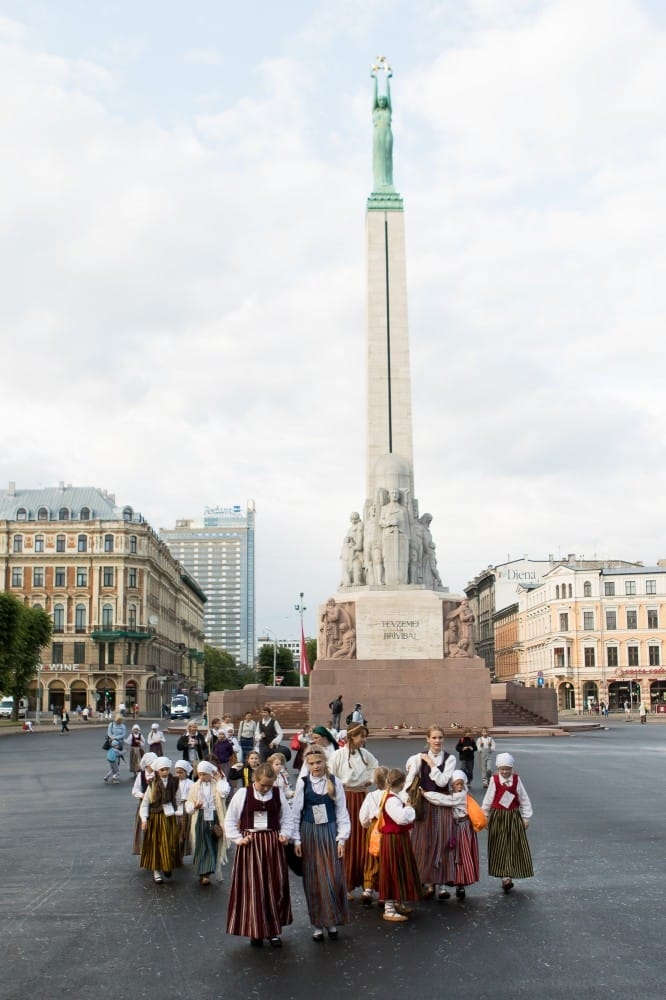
<point x="160" y="849"/>
<point x="206" y="805"/>
<point x="354" y="766"/>
<point x="433" y="834"/>
<point x="139" y="789"/>
<point x="508" y="809"/>
<point x="259" y="822"/>
<point x="321" y="830"/>
<point x="465" y="846"/>
<point x="136" y="744"/>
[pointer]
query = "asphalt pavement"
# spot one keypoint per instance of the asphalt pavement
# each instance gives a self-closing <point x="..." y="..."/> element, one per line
<point x="79" y="919"/>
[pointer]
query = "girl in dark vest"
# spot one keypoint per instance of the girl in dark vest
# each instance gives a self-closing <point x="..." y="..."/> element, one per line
<point x="160" y="850"/>
<point x="509" y="810"/>
<point x="139" y="789"/>
<point x="259" y="822"/>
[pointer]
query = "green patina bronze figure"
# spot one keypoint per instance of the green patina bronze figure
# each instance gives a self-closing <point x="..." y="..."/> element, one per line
<point x="382" y="136"/>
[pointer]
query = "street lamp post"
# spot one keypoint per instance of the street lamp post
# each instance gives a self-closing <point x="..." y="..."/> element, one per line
<point x="39" y="694"/>
<point x="269" y="632"/>
<point x="300" y="608"/>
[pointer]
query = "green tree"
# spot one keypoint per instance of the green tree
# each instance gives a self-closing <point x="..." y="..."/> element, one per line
<point x="23" y="634"/>
<point x="284" y="666"/>
<point x="311" y="650"/>
<point x="220" y="670"/>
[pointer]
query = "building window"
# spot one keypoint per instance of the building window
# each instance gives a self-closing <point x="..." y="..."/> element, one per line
<point x="85" y="513"/>
<point x="107" y="576"/>
<point x="21" y="514"/>
<point x="111" y="652"/>
<point x="82" y="543"/>
<point x="632" y="656"/>
<point x="564" y="621"/>
<point x="59" y="576"/>
<point x="57" y="650"/>
<point x="81" y="576"/>
<point x="59" y="618"/>
<point x="609" y="588"/>
<point x="611" y="656"/>
<point x="588" y="620"/>
<point x="108" y="543"/>
<point x="653" y="655"/>
<point x="589" y="656"/>
<point x="131" y="578"/>
<point x="39" y="543"/>
<point x="63" y="514"/>
<point x="18" y="543"/>
<point x="587" y="589"/>
<point x="653" y="618"/>
<point x="79" y="652"/>
<point x="17" y="577"/>
<point x="630" y="587"/>
<point x="107" y="616"/>
<point x="611" y="620"/>
<point x="80" y="620"/>
<point x="132" y="543"/>
<point x="42" y="514"/>
<point x="557" y="592"/>
<point x="60" y="543"/>
<point x="632" y="619"/>
<point x="650" y="586"/>
<point x="570" y="589"/>
<point x="131" y="621"/>
<point x="38" y="577"/>
<point x="128" y="513"/>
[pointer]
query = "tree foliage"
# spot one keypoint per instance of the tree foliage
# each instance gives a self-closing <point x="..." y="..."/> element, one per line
<point x="284" y="665"/>
<point x="23" y="634"/>
<point x="222" y="673"/>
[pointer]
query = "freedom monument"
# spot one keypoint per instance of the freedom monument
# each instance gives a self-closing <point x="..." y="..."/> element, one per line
<point x="392" y="637"/>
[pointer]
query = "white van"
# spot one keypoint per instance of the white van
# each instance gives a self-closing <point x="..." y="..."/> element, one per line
<point x="7" y="707"/>
<point x="180" y="707"/>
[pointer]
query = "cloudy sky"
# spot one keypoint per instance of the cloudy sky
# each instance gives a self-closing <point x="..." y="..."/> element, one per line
<point x="182" y="254"/>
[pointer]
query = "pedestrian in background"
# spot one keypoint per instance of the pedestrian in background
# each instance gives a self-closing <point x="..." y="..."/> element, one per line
<point x="466" y="748"/>
<point x="269" y="734"/>
<point x="114" y="756"/>
<point x="337" y="708"/>
<point x="485" y="746"/>
<point x="247" y="729"/>
<point x="64" y="719"/>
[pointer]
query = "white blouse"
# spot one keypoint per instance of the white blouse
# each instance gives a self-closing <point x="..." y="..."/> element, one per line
<point x="355" y="769"/>
<point x="440" y="777"/>
<point x="342" y="820"/>
<point x="524" y="804"/>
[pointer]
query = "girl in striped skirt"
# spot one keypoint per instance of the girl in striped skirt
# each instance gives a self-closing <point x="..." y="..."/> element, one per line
<point x="160" y="850"/>
<point x="432" y="835"/>
<point x="259" y="822"/>
<point x="183" y="770"/>
<point x="321" y="829"/>
<point x="399" y="879"/>
<point x="466" y="848"/>
<point x="139" y="789"/>
<point x="355" y="767"/>
<point x="507" y="806"/>
<point x="205" y="804"/>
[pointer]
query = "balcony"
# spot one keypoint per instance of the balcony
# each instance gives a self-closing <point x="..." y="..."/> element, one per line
<point x="112" y="633"/>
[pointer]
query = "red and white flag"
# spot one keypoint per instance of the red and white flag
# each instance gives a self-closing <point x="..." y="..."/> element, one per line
<point x="305" y="666"/>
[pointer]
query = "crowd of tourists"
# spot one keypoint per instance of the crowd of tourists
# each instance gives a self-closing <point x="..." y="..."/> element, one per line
<point x="350" y="827"/>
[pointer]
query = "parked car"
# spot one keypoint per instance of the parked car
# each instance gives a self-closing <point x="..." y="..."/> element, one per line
<point x="7" y="707"/>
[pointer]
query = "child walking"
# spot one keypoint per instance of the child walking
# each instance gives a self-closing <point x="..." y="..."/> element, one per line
<point x="399" y="879"/>
<point x="508" y="809"/>
<point x="160" y="850"/>
<point x="466" y="848"/>
<point x="368" y="817"/>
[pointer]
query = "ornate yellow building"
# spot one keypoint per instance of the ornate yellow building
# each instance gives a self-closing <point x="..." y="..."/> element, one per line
<point x="127" y="618"/>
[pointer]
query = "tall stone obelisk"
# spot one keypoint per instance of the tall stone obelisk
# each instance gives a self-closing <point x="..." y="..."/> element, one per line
<point x="392" y="637"/>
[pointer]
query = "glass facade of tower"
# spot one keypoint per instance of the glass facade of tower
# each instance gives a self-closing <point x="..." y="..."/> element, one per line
<point x="218" y="551"/>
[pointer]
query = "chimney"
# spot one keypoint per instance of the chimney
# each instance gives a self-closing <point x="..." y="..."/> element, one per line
<point x="11" y="489"/>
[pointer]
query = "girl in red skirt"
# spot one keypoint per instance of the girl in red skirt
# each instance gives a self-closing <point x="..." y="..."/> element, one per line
<point x="466" y="847"/>
<point x="399" y="879"/>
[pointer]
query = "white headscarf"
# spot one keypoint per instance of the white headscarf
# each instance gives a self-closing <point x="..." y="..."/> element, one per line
<point x="459" y="776"/>
<point x="205" y="767"/>
<point x="161" y="762"/>
<point x="148" y="760"/>
<point x="504" y="760"/>
<point x="183" y="765"/>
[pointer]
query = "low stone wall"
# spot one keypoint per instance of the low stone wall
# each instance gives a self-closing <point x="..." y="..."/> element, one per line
<point x="540" y="701"/>
<point x="252" y="698"/>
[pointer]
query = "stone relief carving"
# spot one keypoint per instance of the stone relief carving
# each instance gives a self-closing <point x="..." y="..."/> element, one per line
<point x="351" y="555"/>
<point x="337" y="633"/>
<point x="459" y="632"/>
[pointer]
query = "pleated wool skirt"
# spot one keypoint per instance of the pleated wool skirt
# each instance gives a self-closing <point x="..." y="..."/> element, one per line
<point x="509" y="854"/>
<point x="160" y="850"/>
<point x="184" y="826"/>
<point x="137" y="840"/>
<point x="432" y="841"/>
<point x="205" y="846"/>
<point x="324" y="880"/>
<point x="371" y="867"/>
<point x="465" y="853"/>
<point x="356" y="846"/>
<point x="399" y="876"/>
<point x="259" y="900"/>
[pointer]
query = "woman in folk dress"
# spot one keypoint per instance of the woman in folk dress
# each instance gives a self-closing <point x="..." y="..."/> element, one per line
<point x="432" y="835"/>
<point x="205" y="804"/>
<point x="355" y="767"/>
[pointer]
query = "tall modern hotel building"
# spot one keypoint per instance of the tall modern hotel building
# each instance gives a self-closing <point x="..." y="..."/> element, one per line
<point x="218" y="551"/>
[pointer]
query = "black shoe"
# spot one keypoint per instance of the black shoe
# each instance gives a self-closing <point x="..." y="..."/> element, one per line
<point x="366" y="899"/>
<point x="167" y="874"/>
<point x="333" y="933"/>
<point x="460" y="892"/>
<point x="318" y="936"/>
<point x="256" y="942"/>
<point x="507" y="885"/>
<point x="443" y="894"/>
<point x="276" y="942"/>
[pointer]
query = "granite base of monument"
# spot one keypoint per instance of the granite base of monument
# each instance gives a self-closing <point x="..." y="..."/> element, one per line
<point x="416" y="693"/>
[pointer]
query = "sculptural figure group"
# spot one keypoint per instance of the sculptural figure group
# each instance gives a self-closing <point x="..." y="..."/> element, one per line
<point x="393" y="547"/>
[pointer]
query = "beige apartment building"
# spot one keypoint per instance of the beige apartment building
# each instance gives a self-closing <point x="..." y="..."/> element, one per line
<point x="596" y="635"/>
<point x="127" y="618"/>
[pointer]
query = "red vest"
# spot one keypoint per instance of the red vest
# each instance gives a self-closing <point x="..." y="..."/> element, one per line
<point x="390" y="826"/>
<point x="252" y="804"/>
<point x="500" y="789"/>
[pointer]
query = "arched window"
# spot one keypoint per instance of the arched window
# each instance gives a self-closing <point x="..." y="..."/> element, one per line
<point x="38" y="607"/>
<point x="128" y="513"/>
<point x="557" y="592"/>
<point x="131" y="619"/>
<point x="108" y="543"/>
<point x="18" y="543"/>
<point x="82" y="543"/>
<point x="107" y="616"/>
<point x="63" y="514"/>
<point x="59" y="618"/>
<point x="85" y="513"/>
<point x="21" y="514"/>
<point x="570" y="591"/>
<point x="587" y="589"/>
<point x="80" y="619"/>
<point x="60" y="543"/>
<point x="132" y="543"/>
<point x="42" y="514"/>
